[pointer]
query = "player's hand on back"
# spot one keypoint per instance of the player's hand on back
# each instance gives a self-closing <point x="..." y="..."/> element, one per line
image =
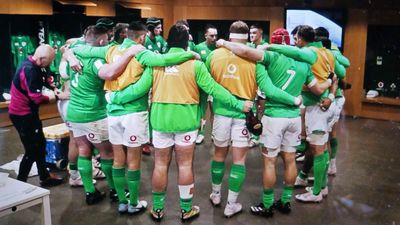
<point x="263" y="47"/>
<point x="325" y="104"/>
<point x="196" y="55"/>
<point x="220" y="43"/>
<point x="298" y="100"/>
<point x="75" y="65"/>
<point x="63" y="95"/>
<point x="136" y="49"/>
<point x="74" y="62"/>
<point x="247" y="106"/>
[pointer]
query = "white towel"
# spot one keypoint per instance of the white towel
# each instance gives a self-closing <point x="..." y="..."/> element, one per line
<point x="14" y="165"/>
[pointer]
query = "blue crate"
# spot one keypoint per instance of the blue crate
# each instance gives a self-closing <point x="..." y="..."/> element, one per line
<point x="53" y="150"/>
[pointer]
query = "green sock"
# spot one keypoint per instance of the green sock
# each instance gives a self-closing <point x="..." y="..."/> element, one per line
<point x="86" y="171"/>
<point x="268" y="197"/>
<point x="334" y="146"/>
<point x="236" y="178"/>
<point x="73" y="166"/>
<point x="118" y="175"/>
<point x="186" y="204"/>
<point x="319" y="169"/>
<point x="303" y="175"/>
<point x="217" y="172"/>
<point x="302" y="147"/>
<point x="158" y="200"/>
<point x="325" y="177"/>
<point x="106" y="167"/>
<point x="133" y="186"/>
<point x="287" y="194"/>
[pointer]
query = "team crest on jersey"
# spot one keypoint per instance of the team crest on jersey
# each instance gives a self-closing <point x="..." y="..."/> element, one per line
<point x="203" y="52"/>
<point x="149" y="47"/>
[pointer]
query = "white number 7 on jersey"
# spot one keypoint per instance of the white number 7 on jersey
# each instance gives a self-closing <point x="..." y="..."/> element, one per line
<point x="291" y="73"/>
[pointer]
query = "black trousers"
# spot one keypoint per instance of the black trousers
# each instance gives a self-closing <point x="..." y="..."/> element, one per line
<point x="30" y="131"/>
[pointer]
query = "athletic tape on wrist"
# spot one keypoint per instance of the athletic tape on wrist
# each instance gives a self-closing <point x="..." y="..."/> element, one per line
<point x="331" y="96"/>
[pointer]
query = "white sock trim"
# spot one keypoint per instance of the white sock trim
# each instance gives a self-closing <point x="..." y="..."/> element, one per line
<point x="186" y="191"/>
<point x="216" y="188"/>
<point x="232" y="196"/>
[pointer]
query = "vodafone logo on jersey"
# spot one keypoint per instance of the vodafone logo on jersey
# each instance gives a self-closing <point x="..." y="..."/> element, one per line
<point x="231" y="70"/>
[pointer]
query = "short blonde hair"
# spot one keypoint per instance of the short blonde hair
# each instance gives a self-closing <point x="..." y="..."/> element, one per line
<point x="239" y="27"/>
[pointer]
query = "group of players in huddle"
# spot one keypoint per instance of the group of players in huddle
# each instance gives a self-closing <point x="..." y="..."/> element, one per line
<point x="126" y="87"/>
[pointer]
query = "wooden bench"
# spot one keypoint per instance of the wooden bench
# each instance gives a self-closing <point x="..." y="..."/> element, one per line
<point x="46" y="111"/>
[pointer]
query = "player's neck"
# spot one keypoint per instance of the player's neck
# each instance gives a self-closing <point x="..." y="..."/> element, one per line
<point x="240" y="41"/>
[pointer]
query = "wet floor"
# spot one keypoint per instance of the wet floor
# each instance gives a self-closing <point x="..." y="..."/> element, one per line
<point x="366" y="189"/>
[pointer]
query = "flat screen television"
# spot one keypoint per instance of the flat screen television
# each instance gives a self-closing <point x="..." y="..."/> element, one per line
<point x="332" y="20"/>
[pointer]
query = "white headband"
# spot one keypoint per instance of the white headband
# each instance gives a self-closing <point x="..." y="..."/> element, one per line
<point x="238" y="36"/>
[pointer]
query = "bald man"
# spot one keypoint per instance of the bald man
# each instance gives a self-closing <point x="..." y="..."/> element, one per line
<point x="26" y="96"/>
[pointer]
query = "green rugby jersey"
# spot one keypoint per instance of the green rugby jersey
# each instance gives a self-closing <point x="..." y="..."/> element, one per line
<point x="344" y="61"/>
<point x="253" y="45"/>
<point x="79" y="42"/>
<point x="169" y="117"/>
<point x="87" y="102"/>
<point x="263" y="81"/>
<point x="307" y="54"/>
<point x="56" y="41"/>
<point x="204" y="50"/>
<point x="158" y="45"/>
<point x="288" y="75"/>
<point x="145" y="58"/>
<point x="191" y="46"/>
<point x="21" y="47"/>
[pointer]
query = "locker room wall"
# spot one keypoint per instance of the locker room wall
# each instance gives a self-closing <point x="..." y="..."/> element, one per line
<point x="361" y="14"/>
